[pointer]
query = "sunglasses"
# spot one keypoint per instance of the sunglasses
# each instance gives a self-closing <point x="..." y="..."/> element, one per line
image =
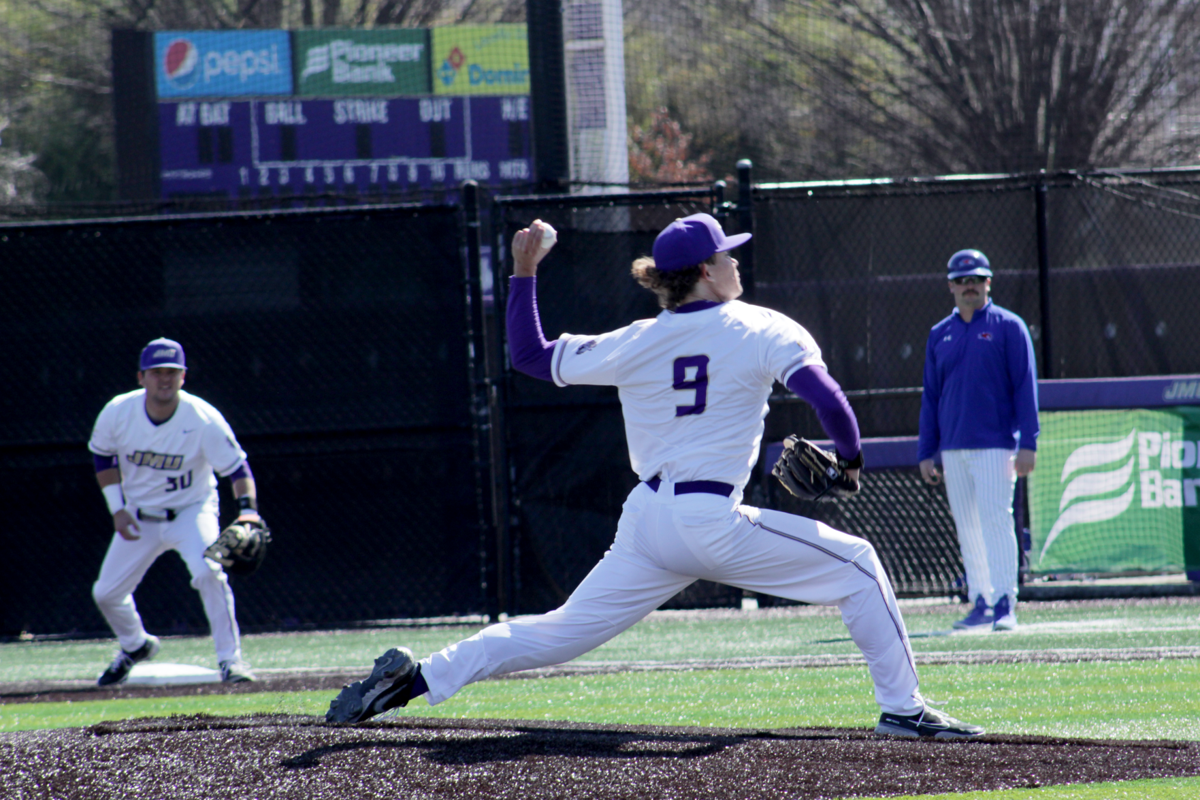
<point x="969" y="280"/>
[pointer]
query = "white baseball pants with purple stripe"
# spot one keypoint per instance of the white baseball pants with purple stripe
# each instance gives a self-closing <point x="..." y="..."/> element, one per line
<point x="665" y="542"/>
<point x="979" y="484"/>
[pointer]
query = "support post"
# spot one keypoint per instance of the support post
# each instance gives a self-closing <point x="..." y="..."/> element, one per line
<point x="481" y="422"/>
<point x="1043" y="247"/>
<point x="548" y="95"/>
<point x="745" y="213"/>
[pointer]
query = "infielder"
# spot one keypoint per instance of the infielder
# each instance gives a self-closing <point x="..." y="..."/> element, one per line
<point x="694" y="383"/>
<point x="155" y="451"/>
<point x="979" y="407"/>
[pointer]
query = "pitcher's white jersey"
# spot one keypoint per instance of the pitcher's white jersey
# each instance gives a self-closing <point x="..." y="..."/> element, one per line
<point x="169" y="465"/>
<point x="697" y="416"/>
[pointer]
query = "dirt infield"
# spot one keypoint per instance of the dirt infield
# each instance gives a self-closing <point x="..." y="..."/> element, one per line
<point x="417" y="759"/>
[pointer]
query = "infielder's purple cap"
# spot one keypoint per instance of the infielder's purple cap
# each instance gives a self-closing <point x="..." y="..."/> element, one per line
<point x="162" y="353"/>
<point x="688" y="241"/>
<point x="968" y="262"/>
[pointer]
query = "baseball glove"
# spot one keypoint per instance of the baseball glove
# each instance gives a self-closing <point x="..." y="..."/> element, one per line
<point x="241" y="547"/>
<point x="811" y="473"/>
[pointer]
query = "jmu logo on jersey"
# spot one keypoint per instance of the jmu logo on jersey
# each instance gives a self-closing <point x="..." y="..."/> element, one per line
<point x="1100" y="484"/>
<point x="145" y="458"/>
<point x="583" y="348"/>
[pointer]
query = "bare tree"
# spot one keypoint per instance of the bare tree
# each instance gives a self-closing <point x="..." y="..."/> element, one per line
<point x="1012" y="85"/>
<point x="848" y="88"/>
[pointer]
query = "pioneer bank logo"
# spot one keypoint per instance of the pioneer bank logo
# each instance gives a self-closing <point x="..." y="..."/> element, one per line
<point x="351" y="62"/>
<point x="1100" y="481"/>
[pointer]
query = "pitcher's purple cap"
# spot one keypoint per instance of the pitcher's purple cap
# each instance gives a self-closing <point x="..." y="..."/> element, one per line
<point x="688" y="241"/>
<point x="162" y="353"/>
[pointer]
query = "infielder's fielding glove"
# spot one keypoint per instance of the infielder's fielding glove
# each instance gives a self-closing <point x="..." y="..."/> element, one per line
<point x="811" y="473"/>
<point x="241" y="547"/>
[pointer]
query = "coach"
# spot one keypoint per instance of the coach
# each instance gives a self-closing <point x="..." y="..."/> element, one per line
<point x="979" y="408"/>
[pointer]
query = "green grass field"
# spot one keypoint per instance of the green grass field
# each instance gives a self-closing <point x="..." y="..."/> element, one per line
<point x="1134" y="699"/>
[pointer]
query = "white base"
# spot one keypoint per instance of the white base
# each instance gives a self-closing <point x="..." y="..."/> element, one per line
<point x="169" y="674"/>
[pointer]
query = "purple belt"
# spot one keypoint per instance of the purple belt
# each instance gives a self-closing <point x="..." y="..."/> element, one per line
<point x="696" y="487"/>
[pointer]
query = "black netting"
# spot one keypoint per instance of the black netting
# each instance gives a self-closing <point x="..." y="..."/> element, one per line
<point x="907" y="521"/>
<point x="567" y="447"/>
<point x="334" y="344"/>
<point x="338" y="343"/>
<point x="1125" y="277"/>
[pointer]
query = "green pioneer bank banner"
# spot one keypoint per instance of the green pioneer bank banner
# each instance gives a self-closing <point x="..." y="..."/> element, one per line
<point x="1116" y="491"/>
<point x="384" y="63"/>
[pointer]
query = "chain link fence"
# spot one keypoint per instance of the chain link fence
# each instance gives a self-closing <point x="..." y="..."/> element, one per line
<point x="409" y="473"/>
<point x="334" y="344"/>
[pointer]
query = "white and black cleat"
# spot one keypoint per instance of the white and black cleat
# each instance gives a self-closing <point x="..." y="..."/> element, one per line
<point x="929" y="722"/>
<point x="389" y="686"/>
<point x="118" y="671"/>
<point x="236" y="671"/>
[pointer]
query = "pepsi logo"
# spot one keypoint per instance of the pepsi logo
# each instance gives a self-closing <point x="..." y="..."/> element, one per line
<point x="179" y="63"/>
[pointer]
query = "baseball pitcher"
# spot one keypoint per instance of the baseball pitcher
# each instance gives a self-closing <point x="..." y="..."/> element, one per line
<point x="693" y="384"/>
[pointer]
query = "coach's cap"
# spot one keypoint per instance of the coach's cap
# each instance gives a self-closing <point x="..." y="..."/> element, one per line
<point x="688" y="241"/>
<point x="162" y="353"/>
<point x="968" y="262"/>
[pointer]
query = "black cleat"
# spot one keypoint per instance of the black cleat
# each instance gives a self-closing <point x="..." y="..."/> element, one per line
<point x="389" y="686"/>
<point x="119" y="669"/>
<point x="929" y="722"/>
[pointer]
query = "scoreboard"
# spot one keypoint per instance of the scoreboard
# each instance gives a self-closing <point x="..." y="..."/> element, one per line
<point x="237" y="147"/>
<point x="252" y="113"/>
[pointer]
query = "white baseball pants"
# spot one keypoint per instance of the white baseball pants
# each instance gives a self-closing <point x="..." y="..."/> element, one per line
<point x="979" y="485"/>
<point x="193" y="529"/>
<point x="663" y="544"/>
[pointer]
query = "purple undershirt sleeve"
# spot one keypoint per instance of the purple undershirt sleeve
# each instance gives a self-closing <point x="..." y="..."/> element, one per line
<point x="527" y="345"/>
<point x="242" y="472"/>
<point x="104" y="462"/>
<point x="814" y="386"/>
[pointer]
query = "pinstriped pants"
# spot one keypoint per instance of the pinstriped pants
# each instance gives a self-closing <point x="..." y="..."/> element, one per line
<point x="979" y="484"/>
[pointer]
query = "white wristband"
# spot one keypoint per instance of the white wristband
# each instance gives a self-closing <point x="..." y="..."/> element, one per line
<point x="114" y="497"/>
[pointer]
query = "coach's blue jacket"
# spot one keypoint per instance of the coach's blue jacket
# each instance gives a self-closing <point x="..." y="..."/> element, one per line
<point x="980" y="384"/>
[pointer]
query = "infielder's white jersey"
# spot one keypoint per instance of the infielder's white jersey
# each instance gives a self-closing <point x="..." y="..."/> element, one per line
<point x="169" y="465"/>
<point x="697" y="416"/>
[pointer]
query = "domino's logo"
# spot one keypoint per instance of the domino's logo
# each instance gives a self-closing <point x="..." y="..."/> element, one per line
<point x="179" y="64"/>
<point x="448" y="72"/>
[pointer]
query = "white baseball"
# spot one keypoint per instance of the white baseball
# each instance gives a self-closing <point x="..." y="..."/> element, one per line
<point x="549" y="235"/>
